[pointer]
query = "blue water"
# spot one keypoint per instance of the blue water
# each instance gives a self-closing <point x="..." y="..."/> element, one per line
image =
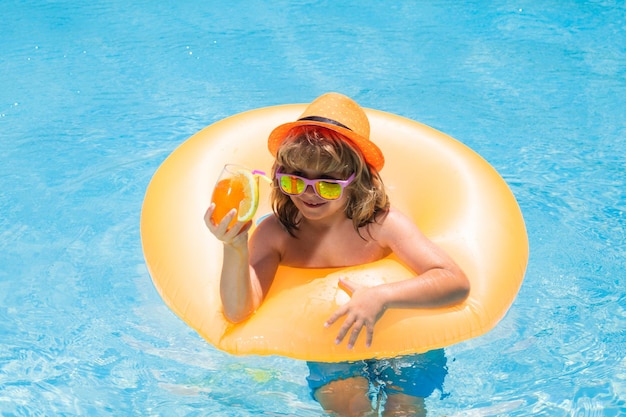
<point x="94" y="95"/>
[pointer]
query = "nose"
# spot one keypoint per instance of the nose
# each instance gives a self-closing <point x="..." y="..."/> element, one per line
<point x="309" y="190"/>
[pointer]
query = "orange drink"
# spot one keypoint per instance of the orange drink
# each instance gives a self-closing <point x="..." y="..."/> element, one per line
<point x="237" y="188"/>
<point x="227" y="195"/>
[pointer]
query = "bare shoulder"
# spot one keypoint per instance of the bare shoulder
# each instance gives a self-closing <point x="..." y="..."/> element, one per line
<point x="395" y="224"/>
<point x="269" y="235"/>
<point x="395" y="215"/>
<point x="269" y="221"/>
<point x="402" y="235"/>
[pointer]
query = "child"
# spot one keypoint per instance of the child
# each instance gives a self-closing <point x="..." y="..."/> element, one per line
<point x="331" y="210"/>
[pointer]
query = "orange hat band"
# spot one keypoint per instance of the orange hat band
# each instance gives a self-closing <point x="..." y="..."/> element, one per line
<point x="324" y="120"/>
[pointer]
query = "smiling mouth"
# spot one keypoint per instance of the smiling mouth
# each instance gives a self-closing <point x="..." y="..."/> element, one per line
<point x="312" y="204"/>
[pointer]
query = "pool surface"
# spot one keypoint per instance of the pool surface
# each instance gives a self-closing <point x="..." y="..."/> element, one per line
<point x="95" y="95"/>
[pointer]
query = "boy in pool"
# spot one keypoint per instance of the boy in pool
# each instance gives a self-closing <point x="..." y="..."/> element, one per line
<point x="331" y="210"/>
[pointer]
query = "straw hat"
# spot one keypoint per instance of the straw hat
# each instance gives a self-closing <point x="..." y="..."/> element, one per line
<point x="336" y="112"/>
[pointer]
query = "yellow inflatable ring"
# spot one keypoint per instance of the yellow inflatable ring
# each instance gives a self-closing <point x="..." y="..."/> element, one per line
<point x="454" y="195"/>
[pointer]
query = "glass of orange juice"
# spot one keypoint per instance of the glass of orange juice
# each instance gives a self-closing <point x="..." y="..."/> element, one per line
<point x="232" y="188"/>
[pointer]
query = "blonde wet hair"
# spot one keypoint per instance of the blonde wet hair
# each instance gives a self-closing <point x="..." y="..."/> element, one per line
<point x="324" y="150"/>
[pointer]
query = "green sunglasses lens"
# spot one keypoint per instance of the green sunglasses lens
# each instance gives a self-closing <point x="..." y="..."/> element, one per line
<point x="328" y="190"/>
<point x="292" y="185"/>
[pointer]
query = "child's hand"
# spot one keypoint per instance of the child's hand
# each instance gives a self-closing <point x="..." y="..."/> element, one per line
<point x="235" y="234"/>
<point x="363" y="310"/>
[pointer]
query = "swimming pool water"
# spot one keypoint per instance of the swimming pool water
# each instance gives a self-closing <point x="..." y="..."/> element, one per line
<point x="95" y="95"/>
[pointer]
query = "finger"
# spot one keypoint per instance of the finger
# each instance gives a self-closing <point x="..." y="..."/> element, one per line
<point x="370" y="335"/>
<point x="335" y="316"/>
<point x="343" y="330"/>
<point x="239" y="228"/>
<point x="354" y="334"/>
<point x="221" y="230"/>
<point x="225" y="222"/>
<point x="246" y="227"/>
<point x="207" y="216"/>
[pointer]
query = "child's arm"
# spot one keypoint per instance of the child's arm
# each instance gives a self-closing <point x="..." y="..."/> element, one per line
<point x="247" y="272"/>
<point x="439" y="281"/>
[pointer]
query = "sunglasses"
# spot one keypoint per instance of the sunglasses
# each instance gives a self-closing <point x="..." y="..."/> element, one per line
<point x="328" y="189"/>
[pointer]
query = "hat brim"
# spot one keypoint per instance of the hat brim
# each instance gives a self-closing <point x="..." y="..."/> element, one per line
<point x="372" y="153"/>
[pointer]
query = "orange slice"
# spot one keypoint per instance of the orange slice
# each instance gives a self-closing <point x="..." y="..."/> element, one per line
<point x="250" y="190"/>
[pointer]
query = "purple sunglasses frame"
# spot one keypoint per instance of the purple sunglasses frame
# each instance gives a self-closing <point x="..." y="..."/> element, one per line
<point x="313" y="182"/>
